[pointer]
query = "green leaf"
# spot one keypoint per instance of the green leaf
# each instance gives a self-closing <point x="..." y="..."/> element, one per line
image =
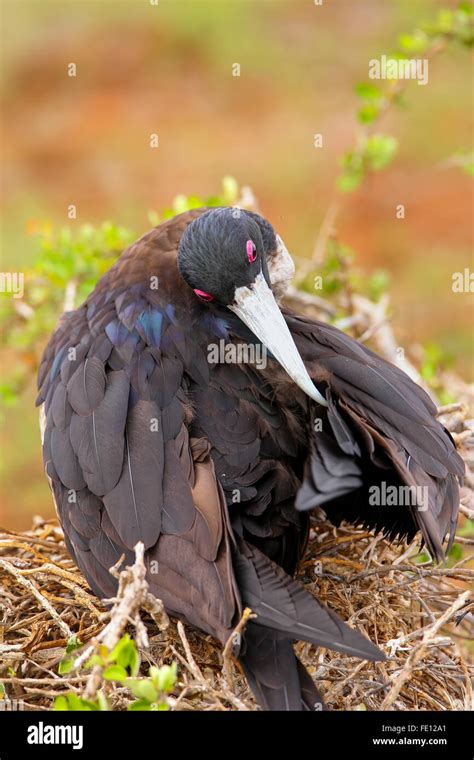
<point x="134" y="661"/>
<point x="164" y="678"/>
<point x="414" y="43"/>
<point x="120" y="646"/>
<point x="180" y="204"/>
<point x="421" y="558"/>
<point x="446" y="397"/>
<point x="73" y="644"/>
<point x="139" y="704"/>
<point x="467" y="530"/>
<point x="368" y="113"/>
<point x="87" y="705"/>
<point x="465" y="8"/>
<point x="60" y="703"/>
<point x="379" y="151"/>
<point x="142" y="688"/>
<point x="213" y="200"/>
<point x="368" y="91"/>
<point x="125" y="653"/>
<point x="115" y="673"/>
<point x="65" y="666"/>
<point x="95" y="659"/>
<point x="378" y="284"/>
<point x="350" y="181"/>
<point x="73" y="702"/>
<point x="455" y="553"/>
<point x="230" y="190"/>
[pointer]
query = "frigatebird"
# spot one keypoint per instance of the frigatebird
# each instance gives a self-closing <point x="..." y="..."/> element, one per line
<point x="213" y="465"/>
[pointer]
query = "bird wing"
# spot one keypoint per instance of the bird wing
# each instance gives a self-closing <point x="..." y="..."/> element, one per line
<point x="118" y="453"/>
<point x="379" y="429"/>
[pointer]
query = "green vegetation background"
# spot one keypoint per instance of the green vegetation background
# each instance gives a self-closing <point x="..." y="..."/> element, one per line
<point x="168" y="69"/>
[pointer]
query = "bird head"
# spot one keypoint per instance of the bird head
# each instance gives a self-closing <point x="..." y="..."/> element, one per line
<point x="234" y="259"/>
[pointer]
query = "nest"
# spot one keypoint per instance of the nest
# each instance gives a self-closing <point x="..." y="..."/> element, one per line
<point x="417" y="613"/>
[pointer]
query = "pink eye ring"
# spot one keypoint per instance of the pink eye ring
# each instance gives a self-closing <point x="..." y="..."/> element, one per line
<point x="202" y="295"/>
<point x="251" y="251"/>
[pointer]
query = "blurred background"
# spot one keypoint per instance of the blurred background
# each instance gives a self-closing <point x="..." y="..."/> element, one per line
<point x="167" y="69"/>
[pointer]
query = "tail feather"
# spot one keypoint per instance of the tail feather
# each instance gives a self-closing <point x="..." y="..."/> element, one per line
<point x="284" y="605"/>
<point x="311" y="698"/>
<point x="276" y="676"/>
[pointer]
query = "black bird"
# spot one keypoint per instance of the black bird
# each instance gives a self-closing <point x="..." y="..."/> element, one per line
<point x="213" y="465"/>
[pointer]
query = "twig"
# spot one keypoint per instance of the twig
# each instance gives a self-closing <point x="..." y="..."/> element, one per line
<point x="9" y="568"/>
<point x="307" y="299"/>
<point x="449" y="408"/>
<point x="70" y="295"/>
<point x="193" y="667"/>
<point x="417" y="653"/>
<point x="132" y="595"/>
<point x="233" y="640"/>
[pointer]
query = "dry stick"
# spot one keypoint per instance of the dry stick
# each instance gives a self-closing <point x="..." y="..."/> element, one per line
<point x="379" y="328"/>
<point x="467" y="677"/>
<point x="340" y="684"/>
<point x="326" y="231"/>
<point x="202" y="682"/>
<point x="417" y="653"/>
<point x="449" y="408"/>
<point x="308" y="299"/>
<point x="132" y="595"/>
<point x="49" y="569"/>
<point x="466" y="511"/>
<point x="57" y="680"/>
<point x="193" y="666"/>
<point x="9" y="568"/>
<point x="13" y="543"/>
<point x="70" y="295"/>
<point x="460" y="438"/>
<point x="234" y="639"/>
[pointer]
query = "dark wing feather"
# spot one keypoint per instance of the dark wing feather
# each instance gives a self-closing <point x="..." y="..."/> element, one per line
<point x="98" y="438"/>
<point x="135" y="504"/>
<point x="116" y="444"/>
<point x="85" y="389"/>
<point x="380" y="418"/>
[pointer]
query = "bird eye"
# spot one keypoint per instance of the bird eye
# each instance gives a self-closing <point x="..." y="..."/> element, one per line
<point x="251" y="251"/>
<point x="202" y="295"/>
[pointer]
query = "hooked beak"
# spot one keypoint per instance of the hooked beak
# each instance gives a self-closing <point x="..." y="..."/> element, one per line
<point x="257" y="309"/>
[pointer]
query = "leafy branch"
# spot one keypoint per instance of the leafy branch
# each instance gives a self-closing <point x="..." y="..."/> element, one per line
<point x="374" y="151"/>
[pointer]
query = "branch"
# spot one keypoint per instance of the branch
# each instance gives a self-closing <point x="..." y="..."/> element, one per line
<point x="417" y="653"/>
<point x="132" y="595"/>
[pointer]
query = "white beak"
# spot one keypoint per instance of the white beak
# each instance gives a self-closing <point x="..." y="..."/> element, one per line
<point x="257" y="308"/>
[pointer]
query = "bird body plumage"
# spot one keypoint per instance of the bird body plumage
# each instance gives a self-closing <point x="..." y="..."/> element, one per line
<point x="146" y="440"/>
